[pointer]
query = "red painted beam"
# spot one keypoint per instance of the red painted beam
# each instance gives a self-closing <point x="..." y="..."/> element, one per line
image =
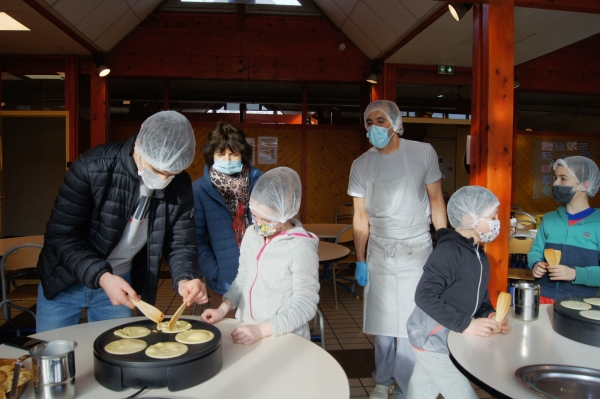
<point x="72" y="103"/>
<point x="62" y="26"/>
<point x="412" y="34"/>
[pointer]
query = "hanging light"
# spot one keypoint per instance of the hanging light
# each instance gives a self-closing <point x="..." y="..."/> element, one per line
<point x="103" y="70"/>
<point x="375" y="70"/>
<point x="100" y="62"/>
<point x="458" y="10"/>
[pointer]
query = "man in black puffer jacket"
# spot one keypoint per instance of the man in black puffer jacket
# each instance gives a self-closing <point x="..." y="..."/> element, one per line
<point x="121" y="207"/>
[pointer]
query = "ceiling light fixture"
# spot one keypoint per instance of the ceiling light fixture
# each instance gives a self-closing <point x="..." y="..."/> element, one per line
<point x="517" y="83"/>
<point x="103" y="70"/>
<point x="375" y="70"/>
<point x="9" y="23"/>
<point x="458" y="10"/>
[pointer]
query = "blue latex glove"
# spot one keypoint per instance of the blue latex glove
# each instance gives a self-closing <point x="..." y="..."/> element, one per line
<point x="361" y="273"/>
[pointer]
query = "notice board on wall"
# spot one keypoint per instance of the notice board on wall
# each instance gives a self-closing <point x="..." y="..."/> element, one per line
<point x="546" y="151"/>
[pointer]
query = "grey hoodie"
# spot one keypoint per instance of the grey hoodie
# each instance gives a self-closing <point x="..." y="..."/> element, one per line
<point x="278" y="280"/>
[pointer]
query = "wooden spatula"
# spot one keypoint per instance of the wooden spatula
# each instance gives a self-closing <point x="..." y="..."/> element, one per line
<point x="549" y="255"/>
<point x="557" y="256"/>
<point x="502" y="307"/>
<point x="177" y="314"/>
<point x="552" y="256"/>
<point x="148" y="310"/>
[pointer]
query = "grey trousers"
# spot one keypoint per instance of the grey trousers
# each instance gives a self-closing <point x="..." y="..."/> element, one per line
<point x="434" y="374"/>
<point x="394" y="361"/>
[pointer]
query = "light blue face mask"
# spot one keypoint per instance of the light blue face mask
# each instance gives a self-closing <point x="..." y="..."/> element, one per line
<point x="378" y="136"/>
<point x="228" y="167"/>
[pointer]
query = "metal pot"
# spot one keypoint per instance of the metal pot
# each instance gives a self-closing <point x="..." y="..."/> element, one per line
<point x="526" y="300"/>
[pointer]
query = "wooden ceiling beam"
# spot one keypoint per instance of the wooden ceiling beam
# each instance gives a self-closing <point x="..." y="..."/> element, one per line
<point x="412" y="34"/>
<point x="62" y="26"/>
<point x="587" y="6"/>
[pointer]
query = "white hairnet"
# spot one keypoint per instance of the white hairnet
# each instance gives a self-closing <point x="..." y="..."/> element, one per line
<point x="583" y="169"/>
<point x="391" y="111"/>
<point x="166" y="141"/>
<point x="278" y="193"/>
<point x="469" y="204"/>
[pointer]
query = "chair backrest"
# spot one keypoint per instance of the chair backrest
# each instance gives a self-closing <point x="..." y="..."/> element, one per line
<point x="19" y="257"/>
<point x="519" y="245"/>
<point x="345" y="236"/>
<point x="24" y="256"/>
<point x="524" y="217"/>
<point x="518" y="248"/>
<point x="344" y="212"/>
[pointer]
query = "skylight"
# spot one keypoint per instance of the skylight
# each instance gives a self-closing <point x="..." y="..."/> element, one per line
<point x="9" y="23"/>
<point x="272" y="2"/>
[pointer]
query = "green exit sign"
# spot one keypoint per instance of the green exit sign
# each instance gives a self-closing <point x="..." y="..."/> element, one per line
<point x="445" y="70"/>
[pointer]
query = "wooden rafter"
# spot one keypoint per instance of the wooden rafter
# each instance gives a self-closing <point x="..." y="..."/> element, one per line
<point x="63" y="27"/>
<point x="412" y="34"/>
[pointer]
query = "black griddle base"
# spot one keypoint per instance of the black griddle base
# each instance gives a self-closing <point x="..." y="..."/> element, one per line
<point x="175" y="378"/>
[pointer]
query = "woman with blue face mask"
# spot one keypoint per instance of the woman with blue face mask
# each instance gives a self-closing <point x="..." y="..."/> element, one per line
<point x="573" y="229"/>
<point x="221" y="206"/>
<point x="276" y="290"/>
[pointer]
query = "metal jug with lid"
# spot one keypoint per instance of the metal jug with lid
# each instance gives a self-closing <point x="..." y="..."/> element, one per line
<point x="527" y="300"/>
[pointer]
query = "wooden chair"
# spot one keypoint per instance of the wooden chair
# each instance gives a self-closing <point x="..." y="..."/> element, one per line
<point x="346" y="238"/>
<point x="17" y="259"/>
<point x="518" y="248"/>
<point x="344" y="212"/>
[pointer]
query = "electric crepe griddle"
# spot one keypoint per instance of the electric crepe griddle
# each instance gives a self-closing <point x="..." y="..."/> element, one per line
<point x="570" y="324"/>
<point x="137" y="370"/>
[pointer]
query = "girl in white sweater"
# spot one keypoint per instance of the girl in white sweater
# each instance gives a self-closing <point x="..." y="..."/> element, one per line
<point x="277" y="286"/>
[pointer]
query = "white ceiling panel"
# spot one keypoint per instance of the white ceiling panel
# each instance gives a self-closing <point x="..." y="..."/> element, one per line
<point x="144" y="8"/>
<point x="118" y="31"/>
<point x="346" y="5"/>
<point x="75" y="10"/>
<point x="333" y="12"/>
<point x="439" y="38"/>
<point x="394" y="15"/>
<point x="459" y="55"/>
<point x="360" y="39"/>
<point x="372" y="26"/>
<point x="102" y="17"/>
<point x="420" y="8"/>
<point x="573" y="28"/>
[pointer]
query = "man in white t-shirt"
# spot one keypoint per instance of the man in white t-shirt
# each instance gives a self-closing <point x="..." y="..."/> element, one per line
<point x="397" y="193"/>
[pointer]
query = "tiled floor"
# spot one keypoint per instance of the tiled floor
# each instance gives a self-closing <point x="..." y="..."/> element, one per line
<point x="343" y="332"/>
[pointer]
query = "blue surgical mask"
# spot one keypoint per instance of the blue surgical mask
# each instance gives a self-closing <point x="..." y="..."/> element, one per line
<point x="228" y="167"/>
<point x="378" y="136"/>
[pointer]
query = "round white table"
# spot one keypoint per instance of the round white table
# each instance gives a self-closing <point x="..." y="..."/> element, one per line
<point x="281" y="367"/>
<point x="325" y="230"/>
<point x="491" y="362"/>
<point x="330" y="252"/>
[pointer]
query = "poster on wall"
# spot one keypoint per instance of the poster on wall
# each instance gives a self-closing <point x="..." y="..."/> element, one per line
<point x="546" y="151"/>
<point x="252" y="143"/>
<point x="267" y="150"/>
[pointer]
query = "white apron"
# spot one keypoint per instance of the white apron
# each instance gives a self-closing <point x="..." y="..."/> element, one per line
<point x="399" y="245"/>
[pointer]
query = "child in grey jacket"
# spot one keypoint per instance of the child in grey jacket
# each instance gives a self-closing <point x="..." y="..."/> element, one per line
<point x="452" y="295"/>
<point x="277" y="285"/>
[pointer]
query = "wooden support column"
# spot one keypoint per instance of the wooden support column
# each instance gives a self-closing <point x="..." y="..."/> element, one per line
<point x="385" y="89"/>
<point x="304" y="152"/>
<point x="98" y="108"/>
<point x="492" y="123"/>
<point x="72" y="103"/>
